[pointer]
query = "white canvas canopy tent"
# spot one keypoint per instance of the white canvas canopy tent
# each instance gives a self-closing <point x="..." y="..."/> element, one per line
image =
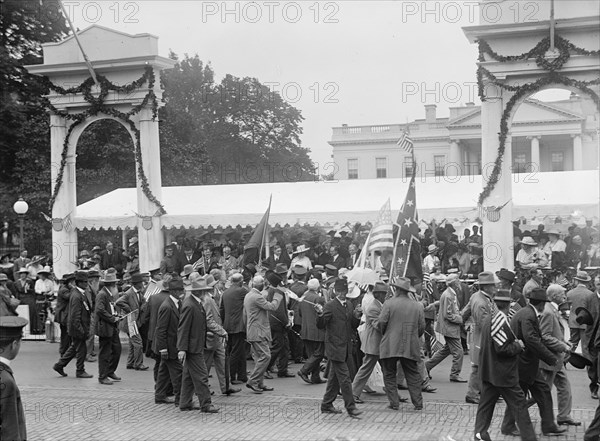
<point x="535" y="195"/>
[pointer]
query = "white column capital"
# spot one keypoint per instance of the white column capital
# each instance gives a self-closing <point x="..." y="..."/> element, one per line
<point x="575" y="135"/>
<point x="145" y="115"/>
<point x="531" y="137"/>
<point x="454" y="141"/>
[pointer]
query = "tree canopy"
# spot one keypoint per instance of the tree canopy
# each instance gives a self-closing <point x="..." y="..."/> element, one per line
<point x="233" y="131"/>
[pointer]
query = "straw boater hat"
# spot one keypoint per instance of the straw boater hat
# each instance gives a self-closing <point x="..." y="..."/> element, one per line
<point x="528" y="240"/>
<point x="22" y="270"/>
<point x="45" y="270"/>
<point x="582" y="276"/>
<point x="432" y="248"/>
<point x="301" y="249"/>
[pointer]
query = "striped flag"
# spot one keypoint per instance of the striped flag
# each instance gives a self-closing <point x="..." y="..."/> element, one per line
<point x="67" y="223"/>
<point x="405" y="143"/>
<point x="381" y="236"/>
<point x="427" y="283"/>
<point x="153" y="288"/>
<point x="407" y="252"/>
<point x="498" y="334"/>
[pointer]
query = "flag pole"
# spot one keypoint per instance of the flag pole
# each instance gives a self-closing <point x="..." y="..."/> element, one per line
<point x="393" y="267"/>
<point x="262" y="240"/>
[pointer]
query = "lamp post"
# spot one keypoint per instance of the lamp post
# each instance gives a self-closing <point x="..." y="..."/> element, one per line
<point x="21" y="208"/>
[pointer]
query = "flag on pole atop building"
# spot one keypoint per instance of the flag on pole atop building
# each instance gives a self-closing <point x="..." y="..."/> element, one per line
<point x="260" y="238"/>
<point x="405" y="143"/>
<point x="407" y="252"/>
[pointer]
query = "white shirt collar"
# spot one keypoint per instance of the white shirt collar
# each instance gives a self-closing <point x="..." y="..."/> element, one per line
<point x="175" y="300"/>
<point x="554" y="305"/>
<point x="6" y="361"/>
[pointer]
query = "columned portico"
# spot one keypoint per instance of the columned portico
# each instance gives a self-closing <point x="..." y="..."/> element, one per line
<point x="456" y="165"/>
<point x="577" y="152"/>
<point x="535" y="153"/>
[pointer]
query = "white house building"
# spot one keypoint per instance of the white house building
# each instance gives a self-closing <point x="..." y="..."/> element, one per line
<point x="546" y="136"/>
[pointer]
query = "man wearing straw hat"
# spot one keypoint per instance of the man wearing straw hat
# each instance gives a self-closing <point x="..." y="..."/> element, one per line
<point x="107" y="320"/>
<point x="479" y="307"/>
<point x="498" y="367"/>
<point x="191" y="341"/>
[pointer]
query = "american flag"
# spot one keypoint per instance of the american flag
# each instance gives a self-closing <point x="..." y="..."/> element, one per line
<point x="407" y="255"/>
<point x="405" y="142"/>
<point x="498" y="334"/>
<point x="381" y="236"/>
<point x="153" y="288"/>
<point x="427" y="283"/>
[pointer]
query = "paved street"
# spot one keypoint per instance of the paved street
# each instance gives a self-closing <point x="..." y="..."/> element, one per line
<point x="72" y="409"/>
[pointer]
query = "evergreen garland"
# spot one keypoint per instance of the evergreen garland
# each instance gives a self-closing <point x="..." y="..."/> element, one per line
<point x="565" y="48"/>
<point x="97" y="106"/>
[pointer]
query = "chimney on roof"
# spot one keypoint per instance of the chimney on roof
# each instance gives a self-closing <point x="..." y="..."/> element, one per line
<point x="430" y="113"/>
<point x="344" y="125"/>
<point x="470" y="104"/>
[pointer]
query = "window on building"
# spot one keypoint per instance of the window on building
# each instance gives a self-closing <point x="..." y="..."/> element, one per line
<point x="381" y="167"/>
<point x="520" y="163"/>
<point x="408" y="167"/>
<point x="558" y="161"/>
<point x="439" y="162"/>
<point x="352" y="168"/>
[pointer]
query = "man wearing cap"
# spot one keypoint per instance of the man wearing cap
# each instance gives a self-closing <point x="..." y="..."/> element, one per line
<point x="61" y="314"/>
<point x="448" y="324"/>
<point x="232" y="310"/>
<point x="370" y="341"/>
<point x="525" y="326"/>
<point x="479" y="307"/>
<point x="12" y="416"/>
<point x="312" y="337"/>
<point x="131" y="303"/>
<point x="498" y="368"/>
<point x="78" y="327"/>
<point x="431" y="260"/>
<point x="191" y="342"/>
<point x="580" y="295"/>
<point x="402" y="324"/>
<point x="107" y="320"/>
<point x="339" y="321"/>
<point x="258" y="331"/>
<point x="553" y="336"/>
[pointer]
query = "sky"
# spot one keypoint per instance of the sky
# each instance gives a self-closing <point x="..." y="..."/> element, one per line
<point x="345" y="62"/>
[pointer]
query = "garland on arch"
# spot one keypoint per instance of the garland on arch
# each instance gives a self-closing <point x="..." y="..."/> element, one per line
<point x="565" y="48"/>
<point x="97" y="106"/>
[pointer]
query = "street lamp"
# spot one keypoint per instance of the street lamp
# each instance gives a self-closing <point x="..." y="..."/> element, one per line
<point x="21" y="208"/>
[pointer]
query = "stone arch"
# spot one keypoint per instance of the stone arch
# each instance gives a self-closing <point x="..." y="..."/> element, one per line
<point x="78" y="131"/>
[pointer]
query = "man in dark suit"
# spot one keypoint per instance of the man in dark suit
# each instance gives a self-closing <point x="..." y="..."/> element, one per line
<point x="525" y="325"/>
<point x="339" y="321"/>
<point x="353" y="257"/>
<point x="232" y="310"/>
<point x="165" y="344"/>
<point x="276" y="258"/>
<point x="278" y="319"/>
<point x="336" y="260"/>
<point x="312" y="336"/>
<point x="78" y="327"/>
<point x="498" y="368"/>
<point x="106" y="329"/>
<point x="187" y="257"/>
<point x="131" y="302"/>
<point x="12" y="416"/>
<point x="401" y="323"/>
<point x="111" y="258"/>
<point x="169" y="263"/>
<point x="191" y="340"/>
<point x="299" y="274"/>
<point x="62" y="310"/>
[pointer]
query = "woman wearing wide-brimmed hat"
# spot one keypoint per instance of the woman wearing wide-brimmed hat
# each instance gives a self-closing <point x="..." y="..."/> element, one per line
<point x="530" y="256"/>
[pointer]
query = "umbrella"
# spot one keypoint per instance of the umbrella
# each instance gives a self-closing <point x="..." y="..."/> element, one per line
<point x="363" y="276"/>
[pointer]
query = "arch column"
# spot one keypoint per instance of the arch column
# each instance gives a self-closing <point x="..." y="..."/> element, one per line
<point x="577" y="152"/>
<point x="497" y="236"/>
<point x="151" y="241"/>
<point x="535" y="153"/>
<point x="456" y="168"/>
<point x="64" y="236"/>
